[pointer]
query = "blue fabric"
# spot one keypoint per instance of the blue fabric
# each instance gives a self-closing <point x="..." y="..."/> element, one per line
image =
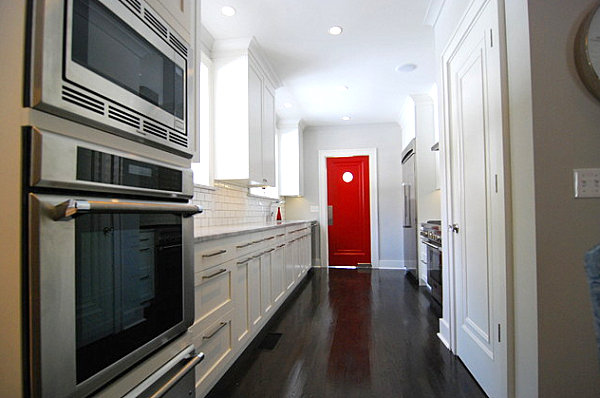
<point x="592" y="266"/>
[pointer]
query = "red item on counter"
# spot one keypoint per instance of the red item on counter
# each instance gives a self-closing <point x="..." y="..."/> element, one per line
<point x="279" y="214"/>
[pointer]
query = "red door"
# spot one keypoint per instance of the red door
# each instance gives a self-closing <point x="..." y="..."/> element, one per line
<point x="348" y="205"/>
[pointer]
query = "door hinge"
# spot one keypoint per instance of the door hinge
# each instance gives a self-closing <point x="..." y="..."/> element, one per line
<point x="491" y="38"/>
<point x="499" y="333"/>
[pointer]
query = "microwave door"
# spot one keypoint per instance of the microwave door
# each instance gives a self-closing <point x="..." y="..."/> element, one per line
<point x="117" y="278"/>
<point x="116" y="56"/>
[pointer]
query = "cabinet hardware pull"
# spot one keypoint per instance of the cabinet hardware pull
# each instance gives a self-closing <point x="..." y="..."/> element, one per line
<point x="160" y="248"/>
<point x="215" y="253"/>
<point x="221" y="326"/>
<point x="280" y="246"/>
<point x="269" y="251"/>
<point x="244" y="245"/>
<point x="257" y="241"/>
<point x="270" y="238"/>
<point x="244" y="261"/>
<point x="219" y="272"/>
<point x="280" y="235"/>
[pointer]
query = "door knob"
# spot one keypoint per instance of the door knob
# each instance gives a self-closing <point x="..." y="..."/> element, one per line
<point x="453" y="228"/>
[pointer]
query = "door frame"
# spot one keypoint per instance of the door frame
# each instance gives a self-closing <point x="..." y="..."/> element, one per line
<point x="373" y="199"/>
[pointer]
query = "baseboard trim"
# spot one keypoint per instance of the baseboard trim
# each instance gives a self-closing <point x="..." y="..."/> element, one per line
<point x="444" y="334"/>
<point x="391" y="264"/>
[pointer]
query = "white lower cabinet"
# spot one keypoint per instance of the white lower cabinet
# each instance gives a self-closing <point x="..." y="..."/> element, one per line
<point x="254" y="309"/>
<point x="266" y="302"/>
<point x="240" y="282"/>
<point x="241" y="323"/>
<point x="277" y="273"/>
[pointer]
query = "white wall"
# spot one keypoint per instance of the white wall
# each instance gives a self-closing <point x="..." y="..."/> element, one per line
<point x="523" y="201"/>
<point x="387" y="139"/>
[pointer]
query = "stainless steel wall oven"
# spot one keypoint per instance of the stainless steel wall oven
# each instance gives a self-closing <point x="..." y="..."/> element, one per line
<point x="115" y="65"/>
<point x="110" y="261"/>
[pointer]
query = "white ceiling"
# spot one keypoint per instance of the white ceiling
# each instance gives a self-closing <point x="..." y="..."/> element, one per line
<point x="378" y="36"/>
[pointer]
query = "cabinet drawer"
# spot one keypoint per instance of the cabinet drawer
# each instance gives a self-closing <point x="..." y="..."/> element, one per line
<point x="205" y="258"/>
<point x="215" y="341"/>
<point x="212" y="290"/>
<point x="249" y="244"/>
<point x="295" y="231"/>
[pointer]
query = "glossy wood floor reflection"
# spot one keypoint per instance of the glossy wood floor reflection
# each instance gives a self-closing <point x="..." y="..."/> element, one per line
<point x="352" y="333"/>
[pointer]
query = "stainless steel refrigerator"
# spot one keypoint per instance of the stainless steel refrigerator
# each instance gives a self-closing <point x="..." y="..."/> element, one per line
<point x="409" y="192"/>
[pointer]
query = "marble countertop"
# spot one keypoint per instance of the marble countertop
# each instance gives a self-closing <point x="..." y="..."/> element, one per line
<point x="222" y="231"/>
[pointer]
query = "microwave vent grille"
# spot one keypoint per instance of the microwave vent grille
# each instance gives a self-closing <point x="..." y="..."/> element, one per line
<point x="135" y="4"/>
<point x="123" y="117"/>
<point x="155" y="23"/>
<point x="154" y="129"/>
<point x="178" y="45"/>
<point x="79" y="98"/>
<point x="178" y="139"/>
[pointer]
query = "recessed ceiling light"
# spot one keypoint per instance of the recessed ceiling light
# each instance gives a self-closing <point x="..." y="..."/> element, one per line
<point x="287" y="105"/>
<point x="335" y="30"/>
<point x="346" y="118"/>
<point x="341" y="88"/>
<point x="228" y="11"/>
<point x="406" y="68"/>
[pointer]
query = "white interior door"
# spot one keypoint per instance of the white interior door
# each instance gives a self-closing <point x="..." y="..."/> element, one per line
<point x="478" y="243"/>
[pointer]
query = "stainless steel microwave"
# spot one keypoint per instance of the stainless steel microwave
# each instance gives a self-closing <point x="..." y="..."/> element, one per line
<point x="115" y="65"/>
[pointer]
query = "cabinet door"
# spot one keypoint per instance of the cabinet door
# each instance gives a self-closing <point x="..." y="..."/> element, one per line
<point x="268" y="135"/>
<point x="277" y="273"/>
<point x="240" y="321"/>
<point x="254" y="304"/>
<point x="290" y="260"/>
<point x="265" y="281"/>
<point x="255" y="106"/>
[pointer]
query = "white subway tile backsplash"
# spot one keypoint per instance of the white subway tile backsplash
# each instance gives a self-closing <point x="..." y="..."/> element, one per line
<point x="229" y="204"/>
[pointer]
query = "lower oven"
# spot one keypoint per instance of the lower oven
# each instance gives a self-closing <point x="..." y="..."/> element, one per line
<point x="110" y="274"/>
<point x="434" y="270"/>
<point x="431" y="237"/>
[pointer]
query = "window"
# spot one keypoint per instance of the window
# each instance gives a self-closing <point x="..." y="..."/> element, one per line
<point x="202" y="162"/>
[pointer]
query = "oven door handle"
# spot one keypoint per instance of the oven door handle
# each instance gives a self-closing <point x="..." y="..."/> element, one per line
<point x="189" y="355"/>
<point x="432" y="245"/>
<point x="72" y="208"/>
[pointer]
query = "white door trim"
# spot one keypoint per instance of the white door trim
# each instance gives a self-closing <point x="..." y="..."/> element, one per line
<point x="374" y="224"/>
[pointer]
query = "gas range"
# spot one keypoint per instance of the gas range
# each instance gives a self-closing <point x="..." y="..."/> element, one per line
<point x="431" y="232"/>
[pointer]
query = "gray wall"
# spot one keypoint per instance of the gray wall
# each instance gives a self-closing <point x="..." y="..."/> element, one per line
<point x="387" y="139"/>
<point x="566" y="135"/>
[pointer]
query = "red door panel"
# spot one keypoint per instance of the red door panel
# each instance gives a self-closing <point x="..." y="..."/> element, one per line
<point x="348" y="194"/>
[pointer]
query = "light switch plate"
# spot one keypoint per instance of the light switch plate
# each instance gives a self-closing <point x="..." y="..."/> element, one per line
<point x="587" y="183"/>
<point x="314" y="209"/>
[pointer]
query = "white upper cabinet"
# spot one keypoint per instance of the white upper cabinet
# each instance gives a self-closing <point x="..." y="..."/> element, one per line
<point x="268" y="134"/>
<point x="291" y="181"/>
<point x="244" y="114"/>
<point x="177" y="13"/>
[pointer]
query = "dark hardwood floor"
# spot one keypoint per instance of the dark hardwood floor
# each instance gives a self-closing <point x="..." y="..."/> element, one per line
<point x="351" y="333"/>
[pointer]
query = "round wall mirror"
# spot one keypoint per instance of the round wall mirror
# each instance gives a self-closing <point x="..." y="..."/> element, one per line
<point x="587" y="52"/>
